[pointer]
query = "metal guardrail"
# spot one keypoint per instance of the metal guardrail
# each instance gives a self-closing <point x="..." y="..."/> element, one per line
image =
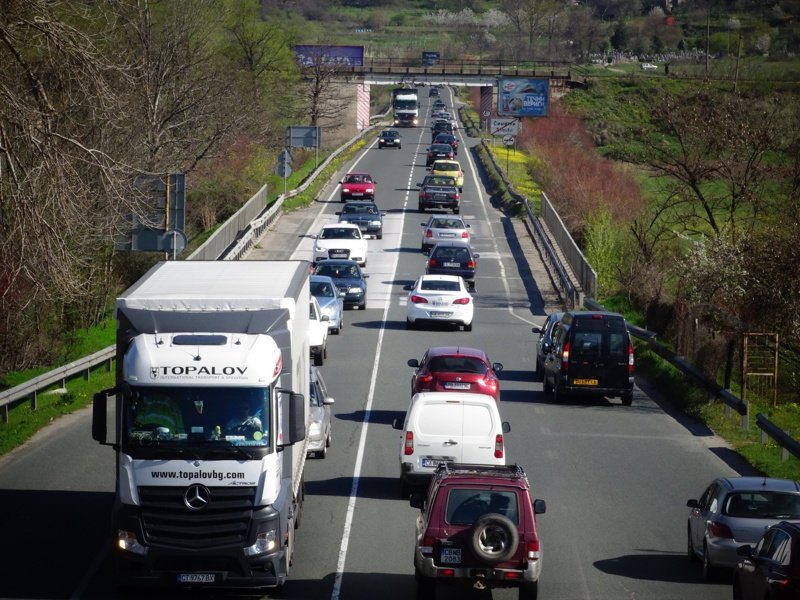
<point x="229" y="242"/>
<point x="32" y="387"/>
<point x="587" y="276"/>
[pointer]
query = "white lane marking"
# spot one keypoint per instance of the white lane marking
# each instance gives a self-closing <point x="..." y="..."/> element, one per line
<point x="496" y="252"/>
<point x="362" y="441"/>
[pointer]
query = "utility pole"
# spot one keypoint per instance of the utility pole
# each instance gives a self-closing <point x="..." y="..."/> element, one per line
<point x="708" y="35"/>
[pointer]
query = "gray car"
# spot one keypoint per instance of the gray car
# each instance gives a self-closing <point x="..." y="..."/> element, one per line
<point x="331" y="301"/>
<point x="734" y="511"/>
<point x="319" y="429"/>
<point x="366" y="215"/>
<point x="442" y="227"/>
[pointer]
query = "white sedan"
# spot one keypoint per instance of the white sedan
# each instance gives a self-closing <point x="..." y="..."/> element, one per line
<point x="341" y="240"/>
<point x="439" y="298"/>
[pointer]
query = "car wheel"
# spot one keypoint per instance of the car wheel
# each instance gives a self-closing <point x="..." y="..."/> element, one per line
<point x="709" y="570"/>
<point x="405" y="488"/>
<point x="325" y="351"/>
<point x="380" y="236"/>
<point x="690" y="547"/>
<point x="420" y="208"/>
<point x="329" y="440"/>
<point x="538" y="375"/>
<point x="461" y="190"/>
<point x="559" y="395"/>
<point x="409" y="324"/>
<point x="494" y="539"/>
<point x="363" y="305"/>
<point x="627" y="398"/>
<point x="322" y="453"/>
<point x="529" y="590"/>
<point x="426" y="587"/>
<point x="737" y="589"/>
<point x="468" y="327"/>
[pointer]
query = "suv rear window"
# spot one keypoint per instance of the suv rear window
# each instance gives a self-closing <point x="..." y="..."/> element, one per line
<point x="465" y="506"/>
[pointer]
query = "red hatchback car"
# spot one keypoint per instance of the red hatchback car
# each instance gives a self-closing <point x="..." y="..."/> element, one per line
<point x="455" y="368"/>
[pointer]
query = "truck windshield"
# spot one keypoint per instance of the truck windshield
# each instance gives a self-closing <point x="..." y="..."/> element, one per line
<point x="405" y="104"/>
<point x="187" y="415"/>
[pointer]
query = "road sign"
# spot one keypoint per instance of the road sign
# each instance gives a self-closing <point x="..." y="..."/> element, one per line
<point x="509" y="139"/>
<point x="504" y="126"/>
<point x="284" y="169"/>
<point x="285" y="157"/>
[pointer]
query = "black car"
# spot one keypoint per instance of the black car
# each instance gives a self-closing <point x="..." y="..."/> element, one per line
<point x="437" y="151"/>
<point x="389" y="137"/>
<point x="439" y="191"/>
<point x="447" y="138"/>
<point x="591" y="355"/>
<point x="348" y="277"/>
<point x="366" y="215"/>
<point x="434" y="91"/>
<point x="441" y="126"/>
<point x="438" y="105"/>
<point x="545" y="341"/>
<point x="453" y="257"/>
<point x="771" y="569"/>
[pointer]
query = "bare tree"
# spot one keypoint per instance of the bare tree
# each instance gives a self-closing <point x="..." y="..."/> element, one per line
<point x="320" y="72"/>
<point x="530" y="18"/>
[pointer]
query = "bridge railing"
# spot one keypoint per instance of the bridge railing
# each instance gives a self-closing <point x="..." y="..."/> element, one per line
<point x="551" y="69"/>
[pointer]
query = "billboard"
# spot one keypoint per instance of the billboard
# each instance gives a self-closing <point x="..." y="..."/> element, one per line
<point x="430" y="58"/>
<point x="523" y="97"/>
<point x="344" y="55"/>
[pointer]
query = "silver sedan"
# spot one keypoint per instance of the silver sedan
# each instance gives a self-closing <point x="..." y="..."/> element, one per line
<point x="331" y="301"/>
<point x="734" y="511"/>
<point x="441" y="227"/>
<point x="319" y="429"/>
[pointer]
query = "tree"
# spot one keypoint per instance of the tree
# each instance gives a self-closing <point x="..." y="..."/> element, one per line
<point x="530" y="17"/>
<point x="619" y="39"/>
<point x="320" y="94"/>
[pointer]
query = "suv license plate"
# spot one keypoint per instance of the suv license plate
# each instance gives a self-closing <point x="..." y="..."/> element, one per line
<point x="196" y="578"/>
<point x="451" y="556"/>
<point x="455" y="385"/>
<point x="584" y="381"/>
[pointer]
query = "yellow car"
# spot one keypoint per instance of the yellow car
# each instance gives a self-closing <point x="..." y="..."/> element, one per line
<point x="451" y="168"/>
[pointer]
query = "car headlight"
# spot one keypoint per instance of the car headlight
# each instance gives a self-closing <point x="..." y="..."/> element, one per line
<point x="329" y="310"/>
<point x="315" y="428"/>
<point x="370" y="190"/>
<point x="375" y="223"/>
<point x="320" y="249"/>
<point x="354" y="290"/>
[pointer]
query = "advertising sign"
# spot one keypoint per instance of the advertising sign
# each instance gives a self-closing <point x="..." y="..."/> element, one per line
<point x="329" y="55"/>
<point x="523" y="97"/>
<point x="430" y="58"/>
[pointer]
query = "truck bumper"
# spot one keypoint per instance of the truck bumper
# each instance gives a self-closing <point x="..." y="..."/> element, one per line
<point x="164" y="569"/>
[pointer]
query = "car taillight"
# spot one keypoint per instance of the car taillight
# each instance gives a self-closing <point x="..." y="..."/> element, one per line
<point x="408" y="446"/>
<point x="464" y="234"/>
<point x="461" y="301"/>
<point x="424" y="378"/>
<point x="458" y="195"/>
<point x="719" y="530"/>
<point x="429" y="234"/>
<point x="431" y="262"/>
<point x="565" y="357"/>
<point x="630" y="359"/>
<point x="423" y="195"/>
<point x="532" y="550"/>
<point x="498" y="446"/>
<point x="418" y="299"/>
<point x="471" y="264"/>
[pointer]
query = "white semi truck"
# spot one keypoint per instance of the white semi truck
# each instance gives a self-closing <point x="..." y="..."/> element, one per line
<point x="210" y="423"/>
<point x="405" y="102"/>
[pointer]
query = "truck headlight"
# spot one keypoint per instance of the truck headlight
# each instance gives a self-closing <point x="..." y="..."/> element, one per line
<point x="126" y="540"/>
<point x="266" y="541"/>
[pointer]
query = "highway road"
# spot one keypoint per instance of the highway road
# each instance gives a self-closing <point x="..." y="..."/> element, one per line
<point x="615" y="478"/>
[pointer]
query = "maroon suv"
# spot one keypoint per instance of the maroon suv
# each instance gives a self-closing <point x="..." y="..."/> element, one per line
<point x="477" y="524"/>
<point x="455" y="369"/>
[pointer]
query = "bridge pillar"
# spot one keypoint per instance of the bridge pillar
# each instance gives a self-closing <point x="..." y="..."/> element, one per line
<point x="487" y="104"/>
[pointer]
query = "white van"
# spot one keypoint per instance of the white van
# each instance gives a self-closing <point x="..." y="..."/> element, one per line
<point x="443" y="427"/>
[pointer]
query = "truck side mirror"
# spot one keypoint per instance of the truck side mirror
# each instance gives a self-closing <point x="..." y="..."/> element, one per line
<point x="297" y="418"/>
<point x="100" y="415"/>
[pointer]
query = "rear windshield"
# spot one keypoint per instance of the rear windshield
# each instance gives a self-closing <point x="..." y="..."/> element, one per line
<point x="440" y="286"/>
<point x="464" y="506"/>
<point x="762" y="504"/>
<point x="458" y="364"/>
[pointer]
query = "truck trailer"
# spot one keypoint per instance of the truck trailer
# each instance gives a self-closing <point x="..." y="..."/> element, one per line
<point x="405" y="102"/>
<point x="209" y="423"/>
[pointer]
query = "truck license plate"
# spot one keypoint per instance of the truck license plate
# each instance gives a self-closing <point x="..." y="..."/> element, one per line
<point x="584" y="381"/>
<point x="456" y="385"/>
<point x="196" y="577"/>
<point x="451" y="556"/>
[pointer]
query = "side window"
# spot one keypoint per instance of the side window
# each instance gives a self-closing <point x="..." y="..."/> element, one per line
<point x="558" y="337"/>
<point x="781" y="548"/>
<point x="705" y="499"/>
<point x="617" y="346"/>
<point x="766" y="546"/>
